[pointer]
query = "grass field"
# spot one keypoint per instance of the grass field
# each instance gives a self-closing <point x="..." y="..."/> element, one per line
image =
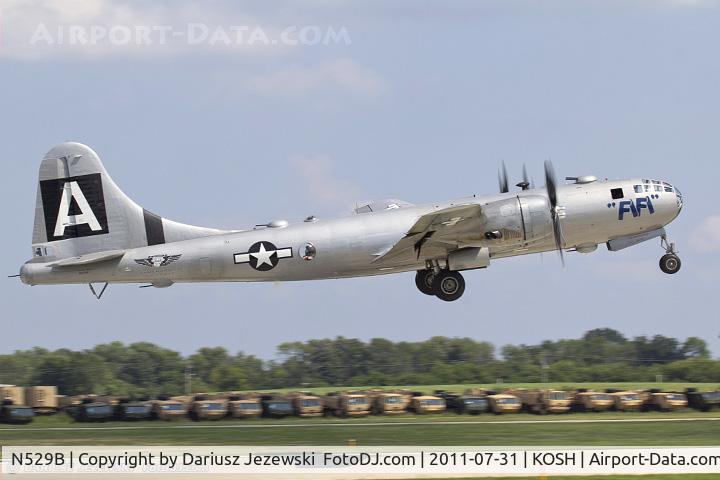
<point x="686" y="428"/>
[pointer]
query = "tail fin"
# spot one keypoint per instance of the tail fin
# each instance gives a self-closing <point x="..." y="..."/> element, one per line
<point x="80" y="210"/>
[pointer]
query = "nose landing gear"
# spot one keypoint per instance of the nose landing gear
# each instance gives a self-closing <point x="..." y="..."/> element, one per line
<point x="670" y="262"/>
<point x="444" y="284"/>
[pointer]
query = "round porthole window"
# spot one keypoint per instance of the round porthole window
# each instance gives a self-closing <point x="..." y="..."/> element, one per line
<point x="308" y="252"/>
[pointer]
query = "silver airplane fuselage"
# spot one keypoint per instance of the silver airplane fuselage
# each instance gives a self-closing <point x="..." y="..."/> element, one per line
<point x="354" y="246"/>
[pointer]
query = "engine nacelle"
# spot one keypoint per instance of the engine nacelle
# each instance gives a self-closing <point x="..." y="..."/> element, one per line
<point x="518" y="221"/>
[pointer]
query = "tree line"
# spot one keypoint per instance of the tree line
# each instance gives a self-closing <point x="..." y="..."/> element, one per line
<point x="601" y="355"/>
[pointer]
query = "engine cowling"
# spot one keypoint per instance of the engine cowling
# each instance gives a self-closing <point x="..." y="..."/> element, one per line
<point x="517" y="222"/>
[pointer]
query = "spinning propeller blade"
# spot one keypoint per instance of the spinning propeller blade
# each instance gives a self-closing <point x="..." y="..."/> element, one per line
<point x="503" y="179"/>
<point x="551" y="188"/>
<point x="525" y="184"/>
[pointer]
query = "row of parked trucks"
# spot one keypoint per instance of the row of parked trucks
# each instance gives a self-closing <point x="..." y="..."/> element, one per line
<point x="20" y="405"/>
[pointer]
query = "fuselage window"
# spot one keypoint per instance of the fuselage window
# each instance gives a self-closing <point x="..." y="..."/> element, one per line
<point x="617" y="193"/>
<point x="308" y="252"/>
<point x="638" y="189"/>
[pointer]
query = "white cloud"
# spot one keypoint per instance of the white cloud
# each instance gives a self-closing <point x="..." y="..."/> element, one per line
<point x="343" y="75"/>
<point x="706" y="237"/>
<point x="317" y="173"/>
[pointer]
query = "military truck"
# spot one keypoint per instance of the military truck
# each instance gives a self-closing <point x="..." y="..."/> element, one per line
<point x="306" y="405"/>
<point x="386" y="403"/>
<point x="276" y="406"/>
<point x="625" y="401"/>
<point x="503" y="403"/>
<point x="42" y="399"/>
<point x="11" y="392"/>
<point x="11" y="413"/>
<point x="472" y="404"/>
<point x="657" y="400"/>
<point x="584" y="400"/>
<point x="91" y="410"/>
<point x="703" y="401"/>
<point x="405" y="395"/>
<point x="422" y="404"/>
<point x="184" y="399"/>
<point x="346" y="404"/>
<point x="543" y="402"/>
<point x="164" y="408"/>
<point x="203" y="408"/>
<point x="127" y="409"/>
<point x="65" y="402"/>
<point x="243" y="406"/>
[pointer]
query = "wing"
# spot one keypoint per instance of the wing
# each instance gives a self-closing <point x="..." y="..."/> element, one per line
<point x="433" y="234"/>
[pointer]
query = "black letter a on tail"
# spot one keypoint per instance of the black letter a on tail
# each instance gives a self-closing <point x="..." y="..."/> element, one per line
<point x="74" y="207"/>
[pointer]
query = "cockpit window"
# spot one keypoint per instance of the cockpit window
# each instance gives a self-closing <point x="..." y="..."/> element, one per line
<point x="656" y="182"/>
<point x="638" y="189"/>
<point x="647" y="188"/>
<point x="668" y="189"/>
<point x="658" y="188"/>
<point x="646" y="181"/>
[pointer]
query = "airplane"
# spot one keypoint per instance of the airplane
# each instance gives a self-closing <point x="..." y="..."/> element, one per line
<point x="87" y="231"/>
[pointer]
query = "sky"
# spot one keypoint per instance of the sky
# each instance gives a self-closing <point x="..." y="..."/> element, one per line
<point x="229" y="114"/>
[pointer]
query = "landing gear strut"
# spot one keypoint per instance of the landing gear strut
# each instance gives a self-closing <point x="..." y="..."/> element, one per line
<point x="669" y="263"/>
<point x="442" y="283"/>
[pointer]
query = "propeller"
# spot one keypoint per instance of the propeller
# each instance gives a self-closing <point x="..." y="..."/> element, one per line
<point x="525" y="184"/>
<point x="551" y="188"/>
<point x="503" y="178"/>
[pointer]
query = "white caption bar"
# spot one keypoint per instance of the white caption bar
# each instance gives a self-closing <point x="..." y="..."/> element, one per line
<point x="361" y="460"/>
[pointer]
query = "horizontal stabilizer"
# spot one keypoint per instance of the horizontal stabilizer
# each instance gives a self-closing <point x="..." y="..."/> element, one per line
<point x="89" y="258"/>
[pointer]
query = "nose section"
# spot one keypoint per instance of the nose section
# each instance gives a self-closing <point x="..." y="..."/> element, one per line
<point x="680" y="200"/>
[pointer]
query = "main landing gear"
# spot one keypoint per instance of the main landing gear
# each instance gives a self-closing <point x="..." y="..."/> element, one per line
<point x="444" y="284"/>
<point x="669" y="263"/>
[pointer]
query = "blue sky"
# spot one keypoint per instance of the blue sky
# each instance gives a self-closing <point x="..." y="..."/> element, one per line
<point x="419" y="101"/>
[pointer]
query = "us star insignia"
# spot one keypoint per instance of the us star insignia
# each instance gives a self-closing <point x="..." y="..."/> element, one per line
<point x="263" y="256"/>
